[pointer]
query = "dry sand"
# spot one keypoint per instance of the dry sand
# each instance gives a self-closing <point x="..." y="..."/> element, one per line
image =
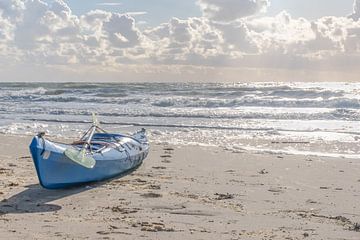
<point x="186" y="193"/>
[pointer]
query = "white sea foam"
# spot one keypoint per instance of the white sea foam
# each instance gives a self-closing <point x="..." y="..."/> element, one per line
<point x="293" y="151"/>
<point x="225" y="115"/>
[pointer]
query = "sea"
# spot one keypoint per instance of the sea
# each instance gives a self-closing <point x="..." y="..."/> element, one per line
<point x="312" y="119"/>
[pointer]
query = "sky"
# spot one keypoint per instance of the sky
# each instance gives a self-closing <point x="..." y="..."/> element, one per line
<point x="157" y="11"/>
<point x="160" y="11"/>
<point x="171" y="40"/>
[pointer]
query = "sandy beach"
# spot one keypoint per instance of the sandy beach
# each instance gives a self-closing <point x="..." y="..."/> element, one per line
<point x="251" y="109"/>
<point x="186" y="192"/>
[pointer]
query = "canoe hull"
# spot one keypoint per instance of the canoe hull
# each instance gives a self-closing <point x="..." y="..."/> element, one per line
<point x="55" y="170"/>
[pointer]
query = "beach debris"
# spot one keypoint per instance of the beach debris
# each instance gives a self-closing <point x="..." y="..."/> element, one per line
<point x="221" y="196"/>
<point x="341" y="219"/>
<point x="166" y="156"/>
<point x="324" y="187"/>
<point x="355" y="227"/>
<point x="306" y="234"/>
<point x="263" y="171"/>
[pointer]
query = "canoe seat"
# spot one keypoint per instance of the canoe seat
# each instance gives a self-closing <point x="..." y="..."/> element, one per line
<point x="95" y="145"/>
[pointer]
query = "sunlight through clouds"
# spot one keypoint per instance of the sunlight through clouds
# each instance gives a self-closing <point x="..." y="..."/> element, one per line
<point x="109" y="4"/>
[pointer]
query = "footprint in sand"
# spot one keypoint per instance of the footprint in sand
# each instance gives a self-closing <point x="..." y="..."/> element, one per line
<point x="151" y="195"/>
<point x="167" y="154"/>
<point x="168" y="150"/>
<point x="122" y="210"/>
<point x="221" y="196"/>
<point x="154" y="187"/>
<point x="310" y="201"/>
<point x="6" y="171"/>
<point x="277" y="190"/>
<point x="12" y="184"/>
<point x="111" y="232"/>
<point x="159" y="167"/>
<point x="263" y="171"/>
<point x="165" y="158"/>
<point x="153" y="227"/>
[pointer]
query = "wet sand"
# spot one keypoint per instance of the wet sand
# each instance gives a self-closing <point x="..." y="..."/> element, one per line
<point x="186" y="192"/>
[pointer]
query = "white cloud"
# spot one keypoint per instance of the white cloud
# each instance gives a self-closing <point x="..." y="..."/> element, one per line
<point x="50" y="33"/>
<point x="135" y="13"/>
<point x="12" y="9"/>
<point x="109" y="4"/>
<point x="121" y="31"/>
<point x="356" y="14"/>
<point x="228" y="10"/>
<point x="35" y="32"/>
<point x="185" y="41"/>
<point x="6" y="30"/>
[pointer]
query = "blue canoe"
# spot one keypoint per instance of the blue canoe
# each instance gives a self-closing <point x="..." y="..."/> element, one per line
<point x="114" y="154"/>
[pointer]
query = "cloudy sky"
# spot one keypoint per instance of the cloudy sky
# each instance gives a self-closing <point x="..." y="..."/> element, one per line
<point x="171" y="40"/>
